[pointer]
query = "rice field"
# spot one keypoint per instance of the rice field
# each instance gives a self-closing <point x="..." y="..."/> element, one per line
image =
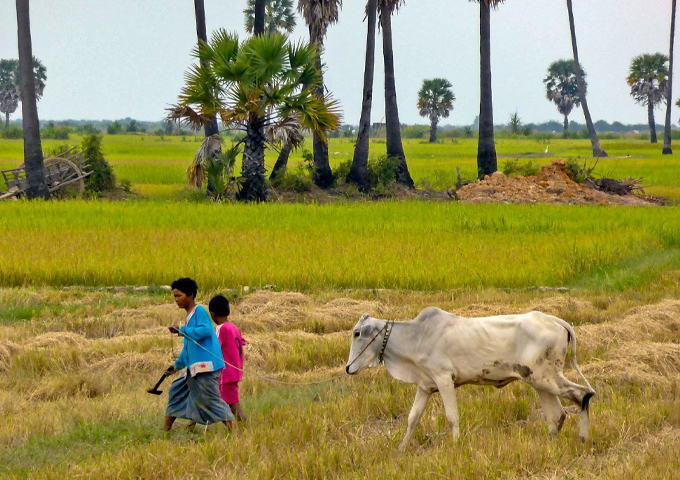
<point x="84" y="316"/>
<point x="156" y="166"/>
<point x="395" y="245"/>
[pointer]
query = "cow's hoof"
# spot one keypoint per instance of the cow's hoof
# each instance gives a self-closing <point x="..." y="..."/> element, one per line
<point x="583" y="439"/>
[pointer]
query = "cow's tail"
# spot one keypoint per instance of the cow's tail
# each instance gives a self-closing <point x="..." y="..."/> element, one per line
<point x="572" y="335"/>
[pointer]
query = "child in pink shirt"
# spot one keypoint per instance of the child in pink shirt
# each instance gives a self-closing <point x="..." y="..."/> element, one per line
<point x="231" y="342"/>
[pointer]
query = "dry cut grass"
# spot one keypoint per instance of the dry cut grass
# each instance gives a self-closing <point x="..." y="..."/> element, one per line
<point x="73" y="401"/>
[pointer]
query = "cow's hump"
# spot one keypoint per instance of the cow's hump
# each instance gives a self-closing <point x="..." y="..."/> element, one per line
<point x="432" y="313"/>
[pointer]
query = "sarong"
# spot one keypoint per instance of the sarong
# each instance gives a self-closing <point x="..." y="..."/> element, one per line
<point x="198" y="398"/>
<point x="229" y="392"/>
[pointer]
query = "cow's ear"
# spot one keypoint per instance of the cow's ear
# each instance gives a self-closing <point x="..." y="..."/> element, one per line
<point x="364" y="317"/>
<point x="366" y="331"/>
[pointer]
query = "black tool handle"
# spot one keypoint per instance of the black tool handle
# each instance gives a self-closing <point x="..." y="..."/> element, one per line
<point x="165" y="375"/>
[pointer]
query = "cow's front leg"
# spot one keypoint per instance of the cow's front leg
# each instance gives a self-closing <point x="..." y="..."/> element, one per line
<point x="447" y="389"/>
<point x="417" y="410"/>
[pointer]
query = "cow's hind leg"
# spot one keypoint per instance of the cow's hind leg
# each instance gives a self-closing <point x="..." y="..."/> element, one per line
<point x="576" y="393"/>
<point x="447" y="389"/>
<point x="554" y="414"/>
<point x="417" y="410"/>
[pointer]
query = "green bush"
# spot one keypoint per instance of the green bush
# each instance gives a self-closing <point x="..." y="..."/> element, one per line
<point x="513" y="167"/>
<point x="415" y="131"/>
<point x="342" y="170"/>
<point x="88" y="129"/>
<point x="297" y="180"/>
<point x="12" y="133"/>
<point x="53" y="132"/>
<point x="114" y="128"/>
<point x="382" y="171"/>
<point x="102" y="178"/>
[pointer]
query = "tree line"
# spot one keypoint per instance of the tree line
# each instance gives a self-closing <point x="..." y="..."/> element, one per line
<point x="272" y="88"/>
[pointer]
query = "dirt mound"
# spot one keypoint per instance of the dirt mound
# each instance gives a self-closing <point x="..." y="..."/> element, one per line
<point x="552" y="185"/>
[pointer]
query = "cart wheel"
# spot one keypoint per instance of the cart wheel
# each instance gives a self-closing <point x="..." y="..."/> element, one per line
<point x="60" y="171"/>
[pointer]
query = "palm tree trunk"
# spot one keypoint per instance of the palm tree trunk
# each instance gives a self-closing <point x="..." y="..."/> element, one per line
<point x="33" y="155"/>
<point x="652" y="124"/>
<point x="260" y="14"/>
<point x="434" y="120"/>
<point x="253" y="170"/>
<point x="211" y="127"/>
<point x="594" y="141"/>
<point x="358" y="173"/>
<point x="667" y="150"/>
<point x="322" y="176"/>
<point x="566" y="124"/>
<point x="487" y="162"/>
<point x="281" y="162"/>
<point x="395" y="147"/>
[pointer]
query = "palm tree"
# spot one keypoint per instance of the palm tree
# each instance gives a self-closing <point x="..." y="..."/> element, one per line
<point x="487" y="162"/>
<point x="594" y="141"/>
<point x="562" y="88"/>
<point x="318" y="15"/>
<point x="33" y="156"/>
<point x="264" y="86"/>
<point x="667" y="150"/>
<point x="279" y="16"/>
<point x="395" y="148"/>
<point x="10" y="91"/>
<point x="435" y="101"/>
<point x="648" y="79"/>
<point x="211" y="128"/>
<point x="358" y="173"/>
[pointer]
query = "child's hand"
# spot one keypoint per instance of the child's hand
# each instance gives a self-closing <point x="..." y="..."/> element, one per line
<point x="174" y="329"/>
<point x="171" y="369"/>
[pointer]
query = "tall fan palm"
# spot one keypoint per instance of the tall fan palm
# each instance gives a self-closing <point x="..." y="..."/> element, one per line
<point x="358" y="173"/>
<point x="648" y="79"/>
<point x="395" y="148"/>
<point x="33" y="156"/>
<point x="318" y="15"/>
<point x="279" y="16"/>
<point x="594" y="141"/>
<point x="435" y="101"/>
<point x="667" y="150"/>
<point x="211" y="147"/>
<point x="10" y="88"/>
<point x="264" y="86"/>
<point x="487" y="162"/>
<point x="562" y="89"/>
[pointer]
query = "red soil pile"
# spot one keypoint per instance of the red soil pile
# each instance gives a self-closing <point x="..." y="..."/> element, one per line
<point x="552" y="185"/>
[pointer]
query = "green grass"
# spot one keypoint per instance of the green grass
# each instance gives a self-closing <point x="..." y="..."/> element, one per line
<point x="157" y="166"/>
<point x="398" y="245"/>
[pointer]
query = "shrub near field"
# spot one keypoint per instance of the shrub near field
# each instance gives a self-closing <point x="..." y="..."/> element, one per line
<point x="400" y="245"/>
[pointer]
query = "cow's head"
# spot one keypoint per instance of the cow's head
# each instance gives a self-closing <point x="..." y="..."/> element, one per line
<point x="363" y="353"/>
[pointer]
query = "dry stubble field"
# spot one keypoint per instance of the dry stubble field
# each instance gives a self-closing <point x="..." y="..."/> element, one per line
<point x="73" y="381"/>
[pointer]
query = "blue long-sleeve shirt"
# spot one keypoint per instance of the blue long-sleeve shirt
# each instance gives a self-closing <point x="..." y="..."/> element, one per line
<point x="194" y="358"/>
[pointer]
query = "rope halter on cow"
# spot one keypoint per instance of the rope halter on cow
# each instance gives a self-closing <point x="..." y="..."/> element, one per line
<point x="388" y="329"/>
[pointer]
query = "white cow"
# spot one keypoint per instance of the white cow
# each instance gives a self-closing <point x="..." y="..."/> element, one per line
<point x="439" y="351"/>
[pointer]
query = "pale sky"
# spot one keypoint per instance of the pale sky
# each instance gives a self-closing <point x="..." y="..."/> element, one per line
<point x="110" y="59"/>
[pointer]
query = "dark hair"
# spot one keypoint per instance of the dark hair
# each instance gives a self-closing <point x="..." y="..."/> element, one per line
<point x="185" y="285"/>
<point x="219" y="305"/>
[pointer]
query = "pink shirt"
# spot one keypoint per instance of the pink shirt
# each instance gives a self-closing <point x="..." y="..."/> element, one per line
<point x="232" y="343"/>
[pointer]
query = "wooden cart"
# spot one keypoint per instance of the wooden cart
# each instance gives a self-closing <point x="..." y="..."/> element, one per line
<point x="65" y="175"/>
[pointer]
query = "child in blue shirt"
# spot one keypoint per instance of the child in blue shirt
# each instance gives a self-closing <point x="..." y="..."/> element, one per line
<point x="196" y="395"/>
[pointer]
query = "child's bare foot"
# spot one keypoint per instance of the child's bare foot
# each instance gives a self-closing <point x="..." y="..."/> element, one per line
<point x="191" y="425"/>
